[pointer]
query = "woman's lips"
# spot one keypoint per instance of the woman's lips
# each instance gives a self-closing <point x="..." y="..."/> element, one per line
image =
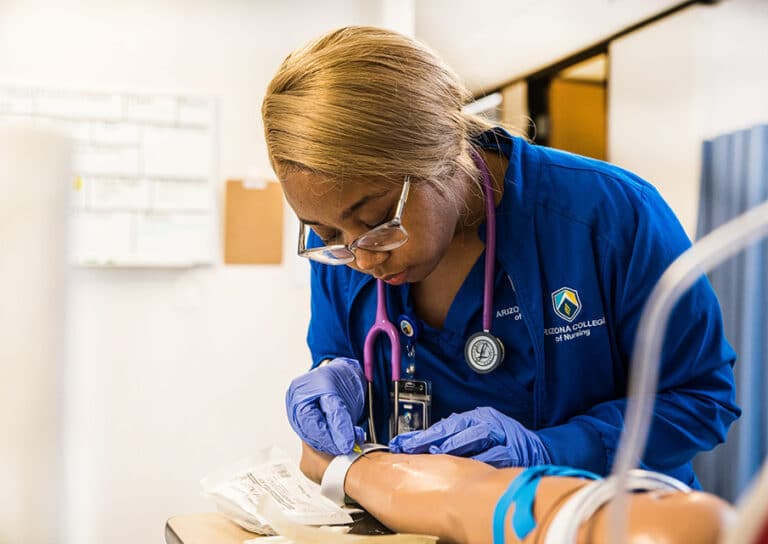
<point x="395" y="279"/>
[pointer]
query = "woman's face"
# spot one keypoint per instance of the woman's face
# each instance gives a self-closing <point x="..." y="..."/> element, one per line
<point x="339" y="213"/>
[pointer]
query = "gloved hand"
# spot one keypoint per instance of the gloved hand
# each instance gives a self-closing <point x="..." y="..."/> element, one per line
<point x="484" y="434"/>
<point x="324" y="404"/>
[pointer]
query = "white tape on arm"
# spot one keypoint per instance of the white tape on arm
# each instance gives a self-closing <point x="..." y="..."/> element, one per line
<point x="332" y="484"/>
<point x="583" y="504"/>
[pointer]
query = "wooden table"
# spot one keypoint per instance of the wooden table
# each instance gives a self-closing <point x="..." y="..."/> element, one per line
<point x="204" y="529"/>
<point x="217" y="529"/>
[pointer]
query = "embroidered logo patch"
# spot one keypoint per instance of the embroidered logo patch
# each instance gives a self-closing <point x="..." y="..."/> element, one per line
<point x="566" y="303"/>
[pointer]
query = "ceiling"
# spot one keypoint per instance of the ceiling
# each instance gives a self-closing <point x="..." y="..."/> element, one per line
<point x="492" y="42"/>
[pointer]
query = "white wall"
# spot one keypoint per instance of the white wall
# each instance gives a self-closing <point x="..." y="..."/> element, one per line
<point x="687" y="78"/>
<point x="173" y="373"/>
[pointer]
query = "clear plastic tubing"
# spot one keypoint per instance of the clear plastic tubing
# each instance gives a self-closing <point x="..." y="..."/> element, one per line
<point x="715" y="248"/>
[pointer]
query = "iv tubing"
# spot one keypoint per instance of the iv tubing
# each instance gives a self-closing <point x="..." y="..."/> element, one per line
<point x="716" y="247"/>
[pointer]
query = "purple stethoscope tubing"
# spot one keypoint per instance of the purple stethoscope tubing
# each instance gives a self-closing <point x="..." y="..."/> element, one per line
<point x="382" y="323"/>
<point x="490" y="242"/>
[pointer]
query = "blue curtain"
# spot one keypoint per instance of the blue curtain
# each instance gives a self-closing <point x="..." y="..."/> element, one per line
<point x="735" y="179"/>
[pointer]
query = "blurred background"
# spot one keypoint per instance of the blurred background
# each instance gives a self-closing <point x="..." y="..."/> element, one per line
<point x="186" y="309"/>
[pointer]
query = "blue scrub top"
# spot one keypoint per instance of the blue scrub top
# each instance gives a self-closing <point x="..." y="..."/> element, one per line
<point x="510" y="387"/>
<point x="580" y="244"/>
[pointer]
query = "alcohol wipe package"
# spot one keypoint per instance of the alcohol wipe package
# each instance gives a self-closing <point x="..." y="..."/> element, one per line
<point x="239" y="491"/>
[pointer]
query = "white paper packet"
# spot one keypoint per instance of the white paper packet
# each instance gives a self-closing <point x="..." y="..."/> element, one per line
<point x="239" y="488"/>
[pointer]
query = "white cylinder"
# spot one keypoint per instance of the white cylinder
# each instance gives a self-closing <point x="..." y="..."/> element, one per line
<point x="35" y="175"/>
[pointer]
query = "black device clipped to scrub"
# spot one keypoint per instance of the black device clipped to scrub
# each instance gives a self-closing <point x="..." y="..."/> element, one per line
<point x="415" y="399"/>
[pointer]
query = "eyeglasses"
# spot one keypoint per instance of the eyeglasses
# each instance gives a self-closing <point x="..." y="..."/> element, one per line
<point x="385" y="237"/>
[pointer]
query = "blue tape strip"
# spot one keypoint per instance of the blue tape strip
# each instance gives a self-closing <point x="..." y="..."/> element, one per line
<point x="522" y="492"/>
<point x="503" y="504"/>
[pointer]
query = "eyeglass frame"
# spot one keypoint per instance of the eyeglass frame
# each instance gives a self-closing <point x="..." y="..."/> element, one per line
<point x="395" y="222"/>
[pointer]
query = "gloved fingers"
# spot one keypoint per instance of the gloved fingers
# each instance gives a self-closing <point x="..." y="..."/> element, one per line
<point x="470" y="441"/>
<point x="395" y="445"/>
<point x="359" y="435"/>
<point x="310" y="424"/>
<point x="339" y="423"/>
<point x="498" y="456"/>
<point x="417" y="442"/>
<point x="349" y="382"/>
<point x="421" y="441"/>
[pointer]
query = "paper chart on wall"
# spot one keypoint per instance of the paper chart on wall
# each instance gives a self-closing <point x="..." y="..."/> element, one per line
<point x="142" y="187"/>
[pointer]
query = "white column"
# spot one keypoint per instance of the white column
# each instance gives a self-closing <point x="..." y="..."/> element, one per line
<point x="34" y="178"/>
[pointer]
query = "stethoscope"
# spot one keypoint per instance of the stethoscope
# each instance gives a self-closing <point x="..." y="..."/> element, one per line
<point x="483" y="351"/>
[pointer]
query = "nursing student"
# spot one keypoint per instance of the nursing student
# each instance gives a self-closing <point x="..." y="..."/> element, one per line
<point x="514" y="275"/>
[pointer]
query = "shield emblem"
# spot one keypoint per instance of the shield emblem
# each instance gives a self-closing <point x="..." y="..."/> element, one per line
<point x="566" y="303"/>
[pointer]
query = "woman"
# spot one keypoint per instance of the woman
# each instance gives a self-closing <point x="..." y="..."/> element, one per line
<point x="365" y="130"/>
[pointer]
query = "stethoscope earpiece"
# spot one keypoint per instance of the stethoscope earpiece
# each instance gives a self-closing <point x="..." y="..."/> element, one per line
<point x="483" y="352"/>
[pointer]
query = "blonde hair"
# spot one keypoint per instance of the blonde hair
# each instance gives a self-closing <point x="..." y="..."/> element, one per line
<point x="364" y="102"/>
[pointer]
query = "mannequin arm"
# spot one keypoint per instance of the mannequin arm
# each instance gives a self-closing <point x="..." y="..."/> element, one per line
<point x="454" y="498"/>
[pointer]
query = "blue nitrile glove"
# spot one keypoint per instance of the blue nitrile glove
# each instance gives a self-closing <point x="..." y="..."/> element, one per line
<point x="324" y="404"/>
<point x="484" y="434"/>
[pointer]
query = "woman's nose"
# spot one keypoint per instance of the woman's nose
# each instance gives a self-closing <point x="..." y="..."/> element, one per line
<point x="367" y="260"/>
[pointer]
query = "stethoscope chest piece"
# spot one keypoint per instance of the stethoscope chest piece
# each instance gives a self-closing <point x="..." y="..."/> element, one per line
<point x="483" y="352"/>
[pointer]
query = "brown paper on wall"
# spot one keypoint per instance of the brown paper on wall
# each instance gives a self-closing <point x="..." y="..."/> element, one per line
<point x="253" y="225"/>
